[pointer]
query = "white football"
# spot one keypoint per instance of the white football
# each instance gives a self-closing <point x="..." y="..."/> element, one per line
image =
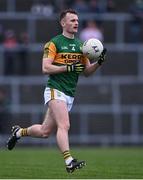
<point x="92" y="48"/>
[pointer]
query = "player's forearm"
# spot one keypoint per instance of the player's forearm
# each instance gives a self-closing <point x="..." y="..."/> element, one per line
<point x="91" y="69"/>
<point x="53" y="69"/>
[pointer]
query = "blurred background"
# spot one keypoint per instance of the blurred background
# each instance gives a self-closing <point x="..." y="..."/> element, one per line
<point x="108" y="108"/>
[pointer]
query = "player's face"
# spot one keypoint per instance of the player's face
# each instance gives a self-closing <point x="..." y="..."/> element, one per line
<point x="70" y="23"/>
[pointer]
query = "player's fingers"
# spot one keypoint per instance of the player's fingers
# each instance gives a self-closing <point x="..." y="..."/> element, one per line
<point x="104" y="51"/>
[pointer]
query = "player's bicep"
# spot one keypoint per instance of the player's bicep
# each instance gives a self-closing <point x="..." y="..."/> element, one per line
<point x="86" y="61"/>
<point x="46" y="63"/>
<point x="87" y="65"/>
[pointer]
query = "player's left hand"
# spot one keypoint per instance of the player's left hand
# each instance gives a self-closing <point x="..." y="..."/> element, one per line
<point x="102" y="57"/>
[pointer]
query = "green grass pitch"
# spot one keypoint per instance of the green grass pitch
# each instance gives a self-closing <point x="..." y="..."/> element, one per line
<point x="47" y="163"/>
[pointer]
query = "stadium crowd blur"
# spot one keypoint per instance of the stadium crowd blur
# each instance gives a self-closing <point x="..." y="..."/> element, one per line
<point x="16" y="57"/>
<point x="16" y="45"/>
<point x="4" y="111"/>
<point x="15" y="62"/>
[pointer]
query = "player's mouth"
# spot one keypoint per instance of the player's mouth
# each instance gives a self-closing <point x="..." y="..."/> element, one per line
<point x="75" y="28"/>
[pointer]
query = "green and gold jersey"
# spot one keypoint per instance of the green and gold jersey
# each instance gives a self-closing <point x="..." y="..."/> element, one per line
<point x="64" y="51"/>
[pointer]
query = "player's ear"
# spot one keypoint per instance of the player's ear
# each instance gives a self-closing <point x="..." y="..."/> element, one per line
<point x="62" y="23"/>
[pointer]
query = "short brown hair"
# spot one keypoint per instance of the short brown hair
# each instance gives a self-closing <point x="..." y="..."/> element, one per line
<point x="63" y="13"/>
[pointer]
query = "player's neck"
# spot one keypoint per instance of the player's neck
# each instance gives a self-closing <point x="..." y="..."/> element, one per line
<point x="68" y="35"/>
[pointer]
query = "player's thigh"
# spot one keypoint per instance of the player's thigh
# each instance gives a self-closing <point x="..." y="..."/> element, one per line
<point x="49" y="122"/>
<point x="60" y="113"/>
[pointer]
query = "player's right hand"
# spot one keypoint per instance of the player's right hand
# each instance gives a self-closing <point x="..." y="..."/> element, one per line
<point x="75" y="67"/>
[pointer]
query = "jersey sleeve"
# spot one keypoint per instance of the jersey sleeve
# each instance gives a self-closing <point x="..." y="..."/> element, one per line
<point x="84" y="60"/>
<point x="50" y="50"/>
